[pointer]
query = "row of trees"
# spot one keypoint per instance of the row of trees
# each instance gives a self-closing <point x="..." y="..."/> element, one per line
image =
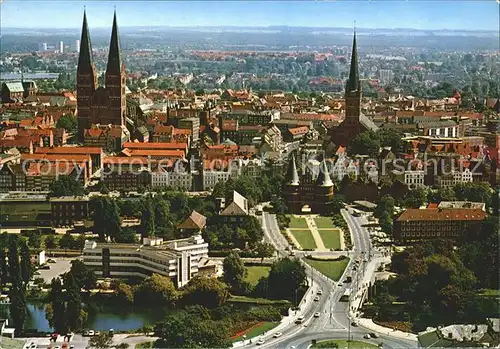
<point x="16" y="271"/>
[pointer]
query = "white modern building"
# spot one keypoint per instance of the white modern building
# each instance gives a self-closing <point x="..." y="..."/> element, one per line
<point x="178" y="259"/>
<point x="61" y="47"/>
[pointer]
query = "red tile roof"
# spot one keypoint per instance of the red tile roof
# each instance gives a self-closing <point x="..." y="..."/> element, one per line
<point x="449" y="214"/>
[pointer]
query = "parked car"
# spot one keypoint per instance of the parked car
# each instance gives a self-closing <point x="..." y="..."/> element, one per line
<point x="96" y="333"/>
<point x="300" y="319"/>
<point x="91" y="333"/>
<point x="373" y="335"/>
<point x="354" y="323"/>
<point x="85" y="333"/>
<point x="317" y="314"/>
<point x="320" y="292"/>
<point x="277" y="334"/>
<point x="340" y="284"/>
<point x="367" y="336"/>
<point x="260" y="341"/>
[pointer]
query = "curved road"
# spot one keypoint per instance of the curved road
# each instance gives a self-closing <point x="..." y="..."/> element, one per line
<point x="334" y="320"/>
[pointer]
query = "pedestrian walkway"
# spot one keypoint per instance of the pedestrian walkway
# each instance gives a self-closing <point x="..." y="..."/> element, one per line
<point x="320" y="246"/>
<point x="294" y="240"/>
<point x="369" y="324"/>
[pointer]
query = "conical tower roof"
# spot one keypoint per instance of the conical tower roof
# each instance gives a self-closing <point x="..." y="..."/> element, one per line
<point x="292" y="175"/>
<point x="114" y="59"/>
<point x="324" y="179"/>
<point x="353" y="81"/>
<point x="85" y="60"/>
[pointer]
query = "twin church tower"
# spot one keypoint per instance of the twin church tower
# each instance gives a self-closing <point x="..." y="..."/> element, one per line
<point x="100" y="105"/>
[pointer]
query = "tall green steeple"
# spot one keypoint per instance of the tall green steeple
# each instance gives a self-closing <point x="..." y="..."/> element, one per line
<point x="85" y="61"/>
<point x="353" y="82"/>
<point x="114" y="59"/>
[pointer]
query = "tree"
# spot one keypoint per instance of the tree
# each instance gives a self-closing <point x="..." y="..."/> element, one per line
<point x="366" y="143"/>
<point x="18" y="306"/>
<point x="338" y="203"/>
<point x="264" y="250"/>
<point x="83" y="276"/>
<point x="476" y="192"/>
<point x="415" y="198"/>
<point x="3" y="266"/>
<point x="106" y="216"/>
<point x="148" y="219"/>
<point x="68" y="122"/>
<point x="102" y="341"/>
<point x="26" y="266"/>
<point x="127" y="235"/>
<point x="205" y="291"/>
<point x="66" y="186"/>
<point x="187" y="330"/>
<point x="285" y="278"/>
<point x="50" y="241"/>
<point x="391" y="138"/>
<point x="75" y="315"/>
<point x="67" y="241"/>
<point x="14" y="267"/>
<point x="384" y="205"/>
<point x="156" y="290"/>
<point x="56" y="309"/>
<point x="35" y="240"/>
<point x="124" y="293"/>
<point x="234" y="270"/>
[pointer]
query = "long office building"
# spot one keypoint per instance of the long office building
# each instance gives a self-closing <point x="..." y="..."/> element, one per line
<point x="180" y="259"/>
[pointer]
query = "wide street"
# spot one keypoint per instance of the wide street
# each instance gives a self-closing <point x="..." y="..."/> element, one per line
<point x="335" y="318"/>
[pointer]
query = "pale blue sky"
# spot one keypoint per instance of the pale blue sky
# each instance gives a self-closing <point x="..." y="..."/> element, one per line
<point x="417" y="14"/>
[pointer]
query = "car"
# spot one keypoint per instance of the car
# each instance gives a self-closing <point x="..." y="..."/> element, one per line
<point x="340" y="284"/>
<point x="37" y="273"/>
<point x="373" y="335"/>
<point x="300" y="319"/>
<point x="354" y="323"/>
<point x="72" y="347"/>
<point x="367" y="336"/>
<point x="320" y="292"/>
<point x="85" y="333"/>
<point x="316" y="298"/>
<point x="96" y="333"/>
<point x="277" y="334"/>
<point x="91" y="333"/>
<point x="260" y="342"/>
<point x="317" y="314"/>
<point x="50" y="260"/>
<point x="57" y="347"/>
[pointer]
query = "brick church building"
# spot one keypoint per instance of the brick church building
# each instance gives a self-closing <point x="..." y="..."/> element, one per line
<point x="355" y="122"/>
<point x="101" y="107"/>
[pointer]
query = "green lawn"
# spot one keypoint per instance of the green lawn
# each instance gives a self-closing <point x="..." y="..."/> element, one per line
<point x="490" y="292"/>
<point x="9" y="343"/>
<point x="297" y="222"/>
<point x="145" y="345"/>
<point x="255" y="273"/>
<point x="332" y="269"/>
<point x="324" y="222"/>
<point x="258" y="330"/>
<point x="330" y="237"/>
<point x="305" y="238"/>
<point x="343" y="344"/>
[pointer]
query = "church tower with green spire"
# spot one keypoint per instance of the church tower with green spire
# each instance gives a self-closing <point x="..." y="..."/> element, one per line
<point x="86" y="81"/>
<point x="353" y="91"/>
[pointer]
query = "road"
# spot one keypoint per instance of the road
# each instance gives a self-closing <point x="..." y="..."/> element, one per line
<point x="334" y="321"/>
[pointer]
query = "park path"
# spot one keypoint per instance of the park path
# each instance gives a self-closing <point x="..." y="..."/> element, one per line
<point x="320" y="246"/>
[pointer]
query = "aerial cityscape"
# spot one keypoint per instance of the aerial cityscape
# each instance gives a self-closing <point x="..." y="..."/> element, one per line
<point x="249" y="174"/>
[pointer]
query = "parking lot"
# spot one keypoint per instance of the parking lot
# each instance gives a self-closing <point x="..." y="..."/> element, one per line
<point x="61" y="266"/>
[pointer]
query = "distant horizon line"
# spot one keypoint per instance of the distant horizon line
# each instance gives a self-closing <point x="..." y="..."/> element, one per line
<point x="358" y="29"/>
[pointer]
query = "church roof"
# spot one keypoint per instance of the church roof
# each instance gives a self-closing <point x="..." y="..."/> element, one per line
<point x="114" y="59"/>
<point x="353" y="81"/>
<point x="292" y="176"/>
<point x="85" y="60"/>
<point x="324" y="179"/>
